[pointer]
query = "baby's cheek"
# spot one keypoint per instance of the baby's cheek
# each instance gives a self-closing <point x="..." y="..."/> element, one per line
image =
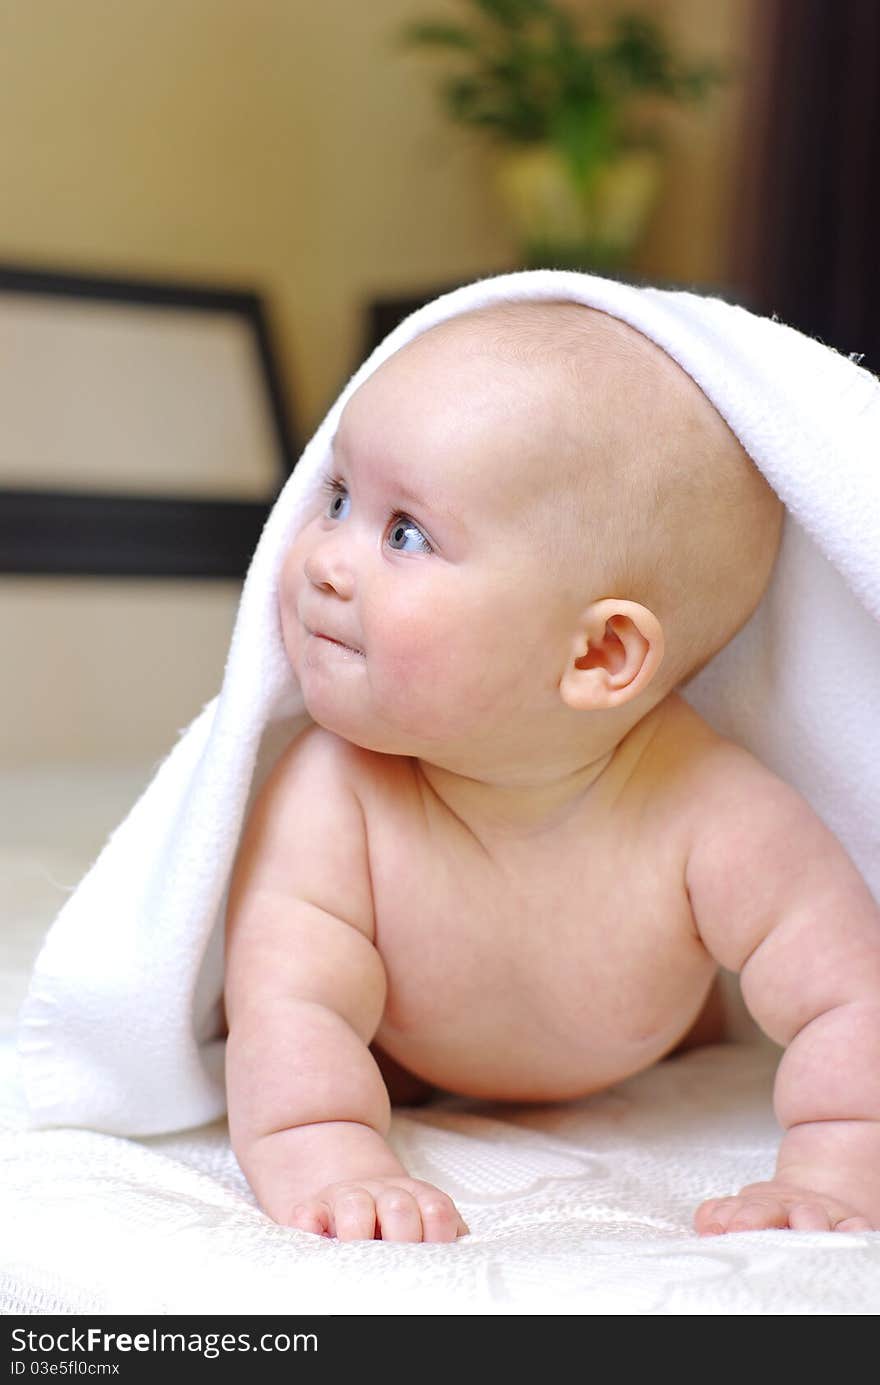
<point x="289" y="580"/>
<point x="434" y="679"/>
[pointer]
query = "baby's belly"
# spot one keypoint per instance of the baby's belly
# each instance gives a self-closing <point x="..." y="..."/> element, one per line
<point x="543" y="970"/>
<point x="531" y="1054"/>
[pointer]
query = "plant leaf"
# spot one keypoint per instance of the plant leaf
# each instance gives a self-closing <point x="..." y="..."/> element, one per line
<point x="437" y="35"/>
<point x="513" y="14"/>
<point x="537" y="73"/>
<point x="584" y="134"/>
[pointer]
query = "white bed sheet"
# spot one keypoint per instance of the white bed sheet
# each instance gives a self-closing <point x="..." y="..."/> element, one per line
<point x="574" y="1209"/>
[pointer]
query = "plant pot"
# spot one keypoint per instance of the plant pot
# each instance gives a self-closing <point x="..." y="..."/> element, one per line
<point x="562" y="224"/>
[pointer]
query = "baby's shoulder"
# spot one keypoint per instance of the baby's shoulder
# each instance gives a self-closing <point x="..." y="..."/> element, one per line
<point x="316" y="759"/>
<point x="677" y="749"/>
<point x="702" y="774"/>
<point x="720" y="789"/>
<point x="319" y="761"/>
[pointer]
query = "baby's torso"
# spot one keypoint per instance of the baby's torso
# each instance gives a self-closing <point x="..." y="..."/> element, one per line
<point x="553" y="967"/>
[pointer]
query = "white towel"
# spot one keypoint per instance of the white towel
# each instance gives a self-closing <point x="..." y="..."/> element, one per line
<point x="122" y="1031"/>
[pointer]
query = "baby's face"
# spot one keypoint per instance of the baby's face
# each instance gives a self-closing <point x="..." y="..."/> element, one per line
<point x="418" y="557"/>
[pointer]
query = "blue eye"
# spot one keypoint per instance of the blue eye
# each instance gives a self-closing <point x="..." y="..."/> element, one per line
<point x="335" y="490"/>
<point x="401" y="524"/>
<point x="400" y="527"/>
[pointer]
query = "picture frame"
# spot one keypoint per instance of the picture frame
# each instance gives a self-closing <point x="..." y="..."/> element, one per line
<point x="144" y="429"/>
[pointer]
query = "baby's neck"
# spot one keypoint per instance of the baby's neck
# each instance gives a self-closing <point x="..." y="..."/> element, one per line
<point x="502" y="807"/>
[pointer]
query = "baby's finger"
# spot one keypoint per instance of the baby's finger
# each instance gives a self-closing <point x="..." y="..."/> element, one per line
<point x="354" y="1215"/>
<point x="808" y="1216"/>
<point x="440" y="1218"/>
<point x="310" y="1216"/>
<point x="853" y="1224"/>
<point x="758" y="1215"/>
<point x="398" y="1215"/>
<point x="712" y="1217"/>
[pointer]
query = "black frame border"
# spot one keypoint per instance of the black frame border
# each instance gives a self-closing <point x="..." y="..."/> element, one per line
<point x="101" y="534"/>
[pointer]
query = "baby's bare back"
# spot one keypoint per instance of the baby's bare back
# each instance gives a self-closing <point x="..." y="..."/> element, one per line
<point x="551" y="965"/>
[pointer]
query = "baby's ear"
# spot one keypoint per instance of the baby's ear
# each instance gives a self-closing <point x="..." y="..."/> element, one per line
<point x="615" y="653"/>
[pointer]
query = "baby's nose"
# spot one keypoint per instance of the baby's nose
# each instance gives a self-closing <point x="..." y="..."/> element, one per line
<point x="327" y="568"/>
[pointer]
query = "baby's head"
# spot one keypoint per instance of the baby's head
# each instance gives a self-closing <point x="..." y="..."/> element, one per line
<point x="533" y="513"/>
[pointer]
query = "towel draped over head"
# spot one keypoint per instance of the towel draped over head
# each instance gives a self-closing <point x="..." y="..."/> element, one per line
<point x="122" y="1029"/>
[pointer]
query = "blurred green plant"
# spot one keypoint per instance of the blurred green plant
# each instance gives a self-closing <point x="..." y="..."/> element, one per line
<point x="540" y="74"/>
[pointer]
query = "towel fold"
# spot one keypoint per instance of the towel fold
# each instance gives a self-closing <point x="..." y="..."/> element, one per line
<point x="122" y="1029"/>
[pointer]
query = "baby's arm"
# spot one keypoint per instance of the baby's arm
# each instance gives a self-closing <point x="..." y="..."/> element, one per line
<point x="776" y="897"/>
<point x="305" y="992"/>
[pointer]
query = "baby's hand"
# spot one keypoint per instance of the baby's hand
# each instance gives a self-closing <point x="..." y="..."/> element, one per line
<point x="778" y="1204"/>
<point x="390" y="1208"/>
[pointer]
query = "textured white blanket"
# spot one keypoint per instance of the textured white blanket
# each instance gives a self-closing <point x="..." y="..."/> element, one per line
<point x="134" y="1046"/>
<point x="584" y="1208"/>
<point x="573" y="1210"/>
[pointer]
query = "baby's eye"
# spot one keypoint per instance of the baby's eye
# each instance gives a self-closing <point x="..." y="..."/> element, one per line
<point x="336" y="493"/>
<point x="401" y="525"/>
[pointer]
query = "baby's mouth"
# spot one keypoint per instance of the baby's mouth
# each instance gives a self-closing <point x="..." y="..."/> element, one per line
<point x="339" y="645"/>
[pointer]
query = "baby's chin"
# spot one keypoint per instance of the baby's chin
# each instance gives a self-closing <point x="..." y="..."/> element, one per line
<point x="339" y="698"/>
<point x="359" y="730"/>
<point x="376" y="736"/>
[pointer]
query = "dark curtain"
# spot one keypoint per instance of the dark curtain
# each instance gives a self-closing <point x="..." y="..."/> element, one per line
<point x="809" y="248"/>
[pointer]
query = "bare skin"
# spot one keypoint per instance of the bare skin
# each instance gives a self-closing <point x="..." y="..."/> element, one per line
<point x="525" y="931"/>
<point x="500" y="864"/>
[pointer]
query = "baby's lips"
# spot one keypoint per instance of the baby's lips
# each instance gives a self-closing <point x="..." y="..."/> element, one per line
<point x="333" y="639"/>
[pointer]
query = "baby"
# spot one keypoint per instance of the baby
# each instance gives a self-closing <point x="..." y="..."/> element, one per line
<point x="508" y="859"/>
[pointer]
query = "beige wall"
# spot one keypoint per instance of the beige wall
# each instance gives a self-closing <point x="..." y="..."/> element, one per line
<point x="284" y="143"/>
<point x="691" y="236"/>
<point x="276" y="143"/>
<point x="98" y="670"/>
